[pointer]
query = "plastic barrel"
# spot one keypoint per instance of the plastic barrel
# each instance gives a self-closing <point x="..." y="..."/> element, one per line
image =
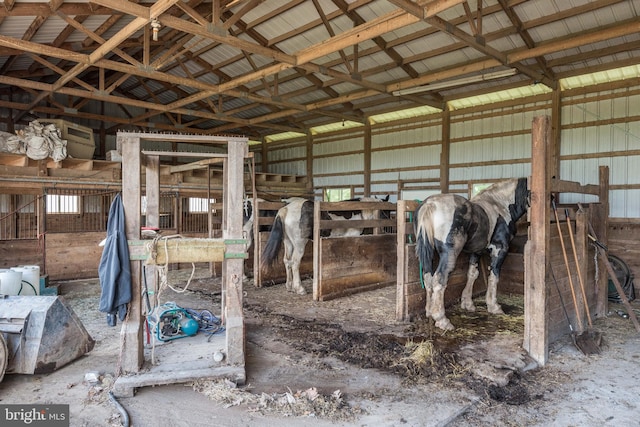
<point x="11" y="282"/>
<point x="30" y="279"/>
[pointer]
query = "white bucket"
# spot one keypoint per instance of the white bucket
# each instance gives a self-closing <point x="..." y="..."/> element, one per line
<point x="30" y="275"/>
<point x="11" y="282"/>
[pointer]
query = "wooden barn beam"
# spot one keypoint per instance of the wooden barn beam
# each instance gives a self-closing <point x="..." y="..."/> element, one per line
<point x="625" y="28"/>
<point x="556" y="132"/>
<point x="367" y="160"/>
<point x="153" y="11"/>
<point x="308" y="158"/>
<point x="480" y="46"/>
<point x="131" y="353"/>
<point x="536" y="340"/>
<point x="600" y="217"/>
<point x="524" y="35"/>
<point x="425" y="9"/>
<point x="445" y="153"/>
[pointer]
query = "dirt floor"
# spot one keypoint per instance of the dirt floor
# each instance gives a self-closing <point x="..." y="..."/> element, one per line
<point x="347" y="362"/>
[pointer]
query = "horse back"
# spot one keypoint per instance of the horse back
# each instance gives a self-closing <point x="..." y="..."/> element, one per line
<point x="449" y="219"/>
<point x="439" y="214"/>
<point x="298" y="219"/>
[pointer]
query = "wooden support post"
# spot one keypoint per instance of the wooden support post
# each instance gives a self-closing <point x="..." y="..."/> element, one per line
<point x="264" y="157"/>
<point x="309" y="157"/>
<point x="401" y="279"/>
<point x="131" y="343"/>
<point x="600" y="223"/>
<point x="367" y="159"/>
<point x="316" y="251"/>
<point x="556" y="131"/>
<point x="40" y="206"/>
<point x="152" y="192"/>
<point x="446" y="149"/>
<point x="580" y="239"/>
<point x="232" y="269"/>
<point x="535" y="256"/>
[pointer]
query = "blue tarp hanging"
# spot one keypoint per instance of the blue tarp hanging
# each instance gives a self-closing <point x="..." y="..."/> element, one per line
<point x="114" y="270"/>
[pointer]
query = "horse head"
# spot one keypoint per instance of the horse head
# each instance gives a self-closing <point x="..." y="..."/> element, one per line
<point x="522" y="199"/>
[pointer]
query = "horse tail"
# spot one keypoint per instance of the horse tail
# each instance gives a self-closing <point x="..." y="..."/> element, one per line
<point x="424" y="237"/>
<point x="274" y="243"/>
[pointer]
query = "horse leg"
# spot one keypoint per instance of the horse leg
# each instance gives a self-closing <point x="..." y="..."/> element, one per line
<point x="437" y="302"/>
<point x="298" y="253"/>
<point x="472" y="275"/>
<point x="446" y="264"/>
<point x="428" y="287"/>
<point x="288" y="251"/>
<point x="492" y="297"/>
<point x="497" y="258"/>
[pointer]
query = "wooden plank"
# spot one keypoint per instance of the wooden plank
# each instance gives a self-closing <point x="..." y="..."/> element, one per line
<point x="410" y="296"/>
<point x="152" y="191"/>
<point x="69" y="255"/>
<point x="350" y="264"/>
<point x="512" y="275"/>
<point x="200" y="164"/>
<point x="68" y="163"/>
<point x="401" y="279"/>
<point x="14" y="159"/>
<point x="333" y="224"/>
<point x="559" y="186"/>
<point x="131" y="344"/>
<point x="414" y="294"/>
<point x="125" y="386"/>
<point x="164" y="251"/>
<point x="276" y="273"/>
<point x="317" y="258"/>
<point x="535" y="292"/>
<point x="233" y="269"/>
<point x="445" y="155"/>
<point x="600" y="216"/>
<point x="355" y="205"/>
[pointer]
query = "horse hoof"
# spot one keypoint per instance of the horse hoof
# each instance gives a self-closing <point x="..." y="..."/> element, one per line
<point x="468" y="306"/>
<point x="445" y="324"/>
<point x="301" y="292"/>
<point x="496" y="310"/>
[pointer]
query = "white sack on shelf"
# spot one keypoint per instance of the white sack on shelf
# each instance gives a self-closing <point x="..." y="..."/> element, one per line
<point x="10" y="143"/>
<point x="37" y="141"/>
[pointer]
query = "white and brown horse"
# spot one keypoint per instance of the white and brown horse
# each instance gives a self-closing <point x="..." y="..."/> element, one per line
<point x="293" y="226"/>
<point x="450" y="224"/>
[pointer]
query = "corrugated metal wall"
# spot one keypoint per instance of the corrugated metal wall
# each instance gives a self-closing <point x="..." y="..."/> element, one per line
<point x="408" y="152"/>
<point x="288" y="160"/>
<point x="603" y="129"/>
<point x="487" y="143"/>
<point x="338" y="161"/>
<point x="492" y="144"/>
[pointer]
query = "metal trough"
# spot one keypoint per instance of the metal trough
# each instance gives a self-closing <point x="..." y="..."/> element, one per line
<point x="42" y="334"/>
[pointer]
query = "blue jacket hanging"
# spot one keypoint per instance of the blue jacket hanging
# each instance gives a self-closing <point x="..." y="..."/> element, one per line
<point x="114" y="270"/>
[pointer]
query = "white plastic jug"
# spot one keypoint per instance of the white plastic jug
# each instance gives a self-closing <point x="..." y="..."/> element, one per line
<point x="30" y="279"/>
<point x="11" y="282"/>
